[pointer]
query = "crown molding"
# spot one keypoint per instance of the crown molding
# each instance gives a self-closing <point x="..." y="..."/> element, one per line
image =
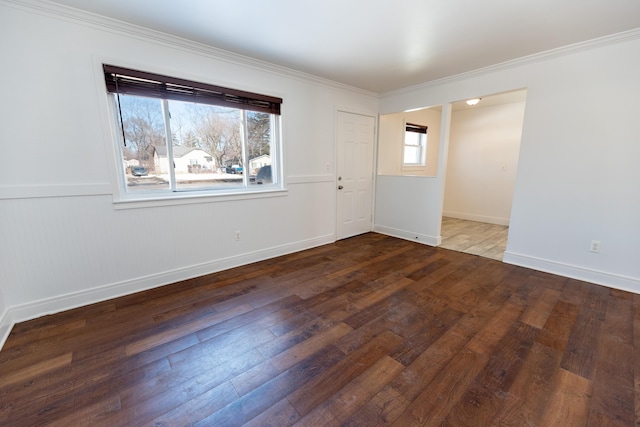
<point x="99" y="22"/>
<point x="529" y="59"/>
<point x="103" y="23"/>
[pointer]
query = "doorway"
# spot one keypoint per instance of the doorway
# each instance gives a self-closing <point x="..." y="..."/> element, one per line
<point x="474" y="237"/>
<point x="354" y="145"/>
<point x="484" y="145"/>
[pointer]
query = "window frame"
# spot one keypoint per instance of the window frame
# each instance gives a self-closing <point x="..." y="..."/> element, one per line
<point x="124" y="198"/>
<point x="408" y="128"/>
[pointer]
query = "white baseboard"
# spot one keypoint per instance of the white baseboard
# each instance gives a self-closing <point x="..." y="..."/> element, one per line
<point x="408" y="235"/>
<point x="69" y="301"/>
<point x="77" y="299"/>
<point x="610" y="280"/>
<point x="479" y="218"/>
<point x="6" y="324"/>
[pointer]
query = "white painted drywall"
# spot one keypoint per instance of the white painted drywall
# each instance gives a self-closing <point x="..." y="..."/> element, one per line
<point x="484" y="144"/>
<point x="402" y="212"/>
<point x="578" y="171"/>
<point x="63" y="244"/>
<point x="5" y="322"/>
<point x="390" y="142"/>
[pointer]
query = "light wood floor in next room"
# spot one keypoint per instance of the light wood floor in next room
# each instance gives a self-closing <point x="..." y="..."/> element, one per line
<point x="477" y="238"/>
<point x="368" y="331"/>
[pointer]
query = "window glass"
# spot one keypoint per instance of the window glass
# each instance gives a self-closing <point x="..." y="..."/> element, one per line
<point x="181" y="136"/>
<point x="143" y="125"/>
<point x="260" y="147"/>
<point x="208" y="149"/>
<point x="207" y="146"/>
<point x="415" y="145"/>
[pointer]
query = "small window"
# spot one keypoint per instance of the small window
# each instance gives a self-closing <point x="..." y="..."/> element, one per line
<point x="415" y="145"/>
<point x="181" y="136"/>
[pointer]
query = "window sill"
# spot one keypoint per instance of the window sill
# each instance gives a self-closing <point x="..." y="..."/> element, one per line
<point x="417" y="168"/>
<point x="137" y="201"/>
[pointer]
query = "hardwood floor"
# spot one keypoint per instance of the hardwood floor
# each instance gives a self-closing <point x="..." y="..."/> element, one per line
<point x="368" y="331"/>
<point x="472" y="237"/>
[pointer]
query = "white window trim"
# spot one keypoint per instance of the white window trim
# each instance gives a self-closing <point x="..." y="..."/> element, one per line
<point x="122" y="199"/>
<point x="409" y="167"/>
<point x="193" y="197"/>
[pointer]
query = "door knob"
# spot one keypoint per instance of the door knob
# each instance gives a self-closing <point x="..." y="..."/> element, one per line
<point x="340" y="187"/>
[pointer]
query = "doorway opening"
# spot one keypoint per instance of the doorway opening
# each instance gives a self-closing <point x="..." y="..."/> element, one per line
<point x="484" y="146"/>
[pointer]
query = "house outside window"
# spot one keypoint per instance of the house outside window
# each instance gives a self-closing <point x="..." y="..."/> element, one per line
<point x="178" y="136"/>
<point x="414" y="152"/>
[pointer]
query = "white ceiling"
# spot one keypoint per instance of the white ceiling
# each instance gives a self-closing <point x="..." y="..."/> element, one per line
<point x="379" y="45"/>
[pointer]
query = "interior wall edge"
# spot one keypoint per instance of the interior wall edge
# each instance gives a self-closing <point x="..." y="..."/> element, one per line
<point x="6" y="324"/>
<point x="603" y="278"/>
<point x="60" y="303"/>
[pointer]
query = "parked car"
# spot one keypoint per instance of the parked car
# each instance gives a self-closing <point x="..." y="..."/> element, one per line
<point x="234" y="169"/>
<point x="139" y="171"/>
<point x="264" y="175"/>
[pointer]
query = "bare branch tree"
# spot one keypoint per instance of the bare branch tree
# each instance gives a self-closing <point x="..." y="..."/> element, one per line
<point x="143" y="126"/>
<point x="259" y="130"/>
<point x="218" y="132"/>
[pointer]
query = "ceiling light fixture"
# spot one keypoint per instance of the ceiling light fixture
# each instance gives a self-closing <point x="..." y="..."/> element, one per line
<point x="473" y="101"/>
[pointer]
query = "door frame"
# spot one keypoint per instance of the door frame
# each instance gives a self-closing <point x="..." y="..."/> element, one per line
<point x="445" y="159"/>
<point x="374" y="170"/>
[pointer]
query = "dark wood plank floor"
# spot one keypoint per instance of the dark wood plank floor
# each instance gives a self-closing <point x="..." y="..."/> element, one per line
<point x="368" y="331"/>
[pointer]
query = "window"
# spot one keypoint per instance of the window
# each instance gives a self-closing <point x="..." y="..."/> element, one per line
<point x="182" y="136"/>
<point x="415" y="145"/>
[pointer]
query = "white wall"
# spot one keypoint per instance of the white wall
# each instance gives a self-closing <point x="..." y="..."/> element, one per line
<point x="63" y="244"/>
<point x="403" y="208"/>
<point x="5" y="322"/>
<point x="391" y="141"/>
<point x="484" y="145"/>
<point x="578" y="171"/>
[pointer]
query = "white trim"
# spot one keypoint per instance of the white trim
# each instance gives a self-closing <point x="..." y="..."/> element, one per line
<point x="408" y="235"/>
<point x="72" y="300"/>
<point x="103" y="23"/>
<point x="413" y="167"/>
<point x="529" y="59"/>
<point x="58" y="190"/>
<point x="308" y="179"/>
<point x="6" y="325"/>
<point x="479" y="218"/>
<point x="411" y="170"/>
<point x="130" y="30"/>
<point x="624" y="283"/>
<point x="374" y="184"/>
<point x="152" y="200"/>
<point x="355" y="110"/>
<point x="123" y="199"/>
<point x="193" y="197"/>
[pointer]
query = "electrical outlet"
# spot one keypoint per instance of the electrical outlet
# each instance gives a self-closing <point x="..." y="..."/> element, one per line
<point x="595" y="246"/>
<point x="237" y="235"/>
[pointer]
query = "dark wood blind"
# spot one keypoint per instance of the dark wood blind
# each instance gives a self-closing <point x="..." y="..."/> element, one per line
<point x="416" y="128"/>
<point x="133" y="82"/>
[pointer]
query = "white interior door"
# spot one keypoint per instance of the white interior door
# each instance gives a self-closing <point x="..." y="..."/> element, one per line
<point x="356" y="136"/>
